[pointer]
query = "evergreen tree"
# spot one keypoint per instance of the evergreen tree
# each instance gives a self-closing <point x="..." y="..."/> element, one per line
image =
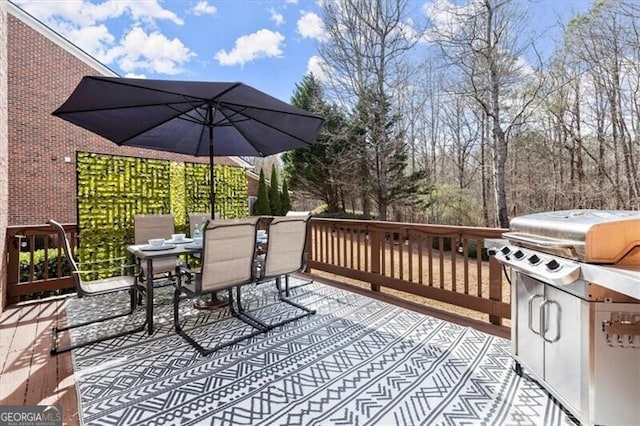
<point x="285" y="201"/>
<point x="274" y="193"/>
<point x="319" y="169"/>
<point x="261" y="207"/>
<point x="381" y="148"/>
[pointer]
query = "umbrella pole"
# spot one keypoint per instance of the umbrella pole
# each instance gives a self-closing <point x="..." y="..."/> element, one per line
<point x="214" y="302"/>
<point x="212" y="173"/>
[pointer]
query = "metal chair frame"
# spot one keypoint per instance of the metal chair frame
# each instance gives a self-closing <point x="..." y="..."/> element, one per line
<point x="198" y="290"/>
<point x="113" y="285"/>
<point x="279" y="224"/>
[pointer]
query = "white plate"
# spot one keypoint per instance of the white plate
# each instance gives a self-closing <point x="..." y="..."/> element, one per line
<point x="185" y="241"/>
<point x="194" y="246"/>
<point x="158" y="248"/>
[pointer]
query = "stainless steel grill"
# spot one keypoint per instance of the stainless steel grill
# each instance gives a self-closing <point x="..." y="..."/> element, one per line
<point x="576" y="309"/>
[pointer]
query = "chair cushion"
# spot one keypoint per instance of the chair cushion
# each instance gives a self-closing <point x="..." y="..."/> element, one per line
<point x="286" y="246"/>
<point x="108" y="284"/>
<point x="160" y="265"/>
<point x="228" y="253"/>
<point x="146" y="227"/>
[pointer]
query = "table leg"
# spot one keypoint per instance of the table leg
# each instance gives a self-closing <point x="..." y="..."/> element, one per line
<point x="150" y="296"/>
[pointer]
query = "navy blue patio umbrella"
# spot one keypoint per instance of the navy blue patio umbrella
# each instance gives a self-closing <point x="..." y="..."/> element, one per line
<point x="189" y="117"/>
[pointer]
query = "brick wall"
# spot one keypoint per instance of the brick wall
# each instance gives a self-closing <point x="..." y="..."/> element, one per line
<point x="253" y="187"/>
<point x="42" y="182"/>
<point x="4" y="141"/>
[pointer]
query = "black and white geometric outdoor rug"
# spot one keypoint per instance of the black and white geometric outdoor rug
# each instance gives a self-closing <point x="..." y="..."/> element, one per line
<point x="357" y="361"/>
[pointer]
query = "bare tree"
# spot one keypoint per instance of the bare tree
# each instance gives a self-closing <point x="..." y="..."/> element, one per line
<point x="481" y="43"/>
<point x="594" y="103"/>
<point x="367" y="39"/>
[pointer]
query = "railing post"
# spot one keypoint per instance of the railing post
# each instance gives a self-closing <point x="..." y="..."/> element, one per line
<point x="13" y="266"/>
<point x="374" y="235"/>
<point x="16" y="288"/>
<point x="495" y="286"/>
<point x="307" y="246"/>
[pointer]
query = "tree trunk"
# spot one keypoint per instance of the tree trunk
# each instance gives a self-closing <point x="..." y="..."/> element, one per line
<point x="499" y="161"/>
<point x="483" y="170"/>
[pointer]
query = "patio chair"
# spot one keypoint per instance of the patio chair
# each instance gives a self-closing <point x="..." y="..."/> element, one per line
<point x="284" y="256"/>
<point x="228" y="262"/>
<point x="92" y="288"/>
<point x="151" y="226"/>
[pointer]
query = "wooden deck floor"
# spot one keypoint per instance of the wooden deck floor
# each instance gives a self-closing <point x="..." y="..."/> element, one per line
<point x="31" y="376"/>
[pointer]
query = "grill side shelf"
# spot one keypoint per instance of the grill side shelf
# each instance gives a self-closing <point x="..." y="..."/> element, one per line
<point x="622" y="279"/>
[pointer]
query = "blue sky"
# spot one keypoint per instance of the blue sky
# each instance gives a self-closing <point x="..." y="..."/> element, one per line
<point x="269" y="44"/>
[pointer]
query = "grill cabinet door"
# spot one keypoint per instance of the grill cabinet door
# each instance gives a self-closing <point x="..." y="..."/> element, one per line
<point x="549" y="335"/>
<point x="563" y="344"/>
<point x="527" y="344"/>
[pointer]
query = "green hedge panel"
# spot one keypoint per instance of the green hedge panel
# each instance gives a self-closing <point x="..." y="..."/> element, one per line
<point x="112" y="189"/>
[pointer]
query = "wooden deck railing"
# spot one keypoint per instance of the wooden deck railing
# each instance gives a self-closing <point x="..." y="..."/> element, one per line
<point x="444" y="263"/>
<point x="36" y="241"/>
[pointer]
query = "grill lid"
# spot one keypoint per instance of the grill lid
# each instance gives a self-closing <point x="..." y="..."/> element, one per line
<point x="593" y="236"/>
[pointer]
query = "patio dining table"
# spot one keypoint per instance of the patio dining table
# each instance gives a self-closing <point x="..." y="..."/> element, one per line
<point x="144" y="254"/>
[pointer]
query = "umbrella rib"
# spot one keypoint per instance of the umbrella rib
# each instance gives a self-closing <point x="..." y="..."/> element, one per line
<point x="181" y="116"/>
<point x="100" y="109"/>
<point x="170" y="105"/>
<point x="272" y="127"/>
<point x="190" y="109"/>
<point x="142" y="131"/>
<point x="299" y="114"/>
<point x="113" y="80"/>
<point x="228" y="120"/>
<point x="256" y="107"/>
<point x="243" y="135"/>
<point x="194" y="107"/>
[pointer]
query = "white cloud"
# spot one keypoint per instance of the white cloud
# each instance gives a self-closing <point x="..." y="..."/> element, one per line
<point x="53" y="13"/>
<point x="310" y="26"/>
<point x="83" y="12"/>
<point x="263" y="43"/>
<point x="407" y="30"/>
<point x="276" y="17"/>
<point x="149" y="11"/>
<point x="317" y="67"/>
<point x="134" y="75"/>
<point x="85" y="24"/>
<point x="139" y="51"/>
<point x="446" y="17"/>
<point x="203" y="8"/>
<point x="524" y="68"/>
<point x="95" y="40"/>
<point x="291" y="1"/>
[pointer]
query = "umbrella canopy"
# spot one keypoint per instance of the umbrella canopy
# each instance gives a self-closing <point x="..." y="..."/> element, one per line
<point x="186" y="117"/>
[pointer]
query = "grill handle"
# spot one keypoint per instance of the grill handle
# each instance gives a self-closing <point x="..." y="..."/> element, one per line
<point x="531" y="299"/>
<point x="537" y="241"/>
<point x="543" y="321"/>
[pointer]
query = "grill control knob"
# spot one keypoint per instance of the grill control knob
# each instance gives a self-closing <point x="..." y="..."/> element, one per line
<point x="553" y="265"/>
<point x="534" y="259"/>
<point x="518" y="254"/>
<point x="505" y="250"/>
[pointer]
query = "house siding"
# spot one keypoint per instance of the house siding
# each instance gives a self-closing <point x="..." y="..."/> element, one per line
<point x="41" y="147"/>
